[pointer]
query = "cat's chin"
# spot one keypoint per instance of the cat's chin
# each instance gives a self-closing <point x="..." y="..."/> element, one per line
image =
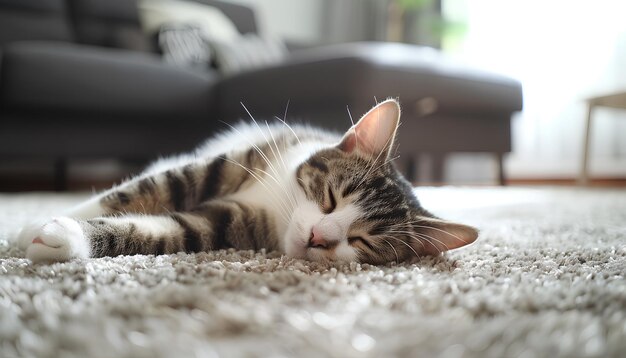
<point x="304" y="252"/>
<point x="295" y="249"/>
<point x="298" y="249"/>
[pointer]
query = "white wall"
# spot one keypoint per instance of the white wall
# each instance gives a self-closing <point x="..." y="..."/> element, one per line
<point x="563" y="51"/>
<point x="293" y="20"/>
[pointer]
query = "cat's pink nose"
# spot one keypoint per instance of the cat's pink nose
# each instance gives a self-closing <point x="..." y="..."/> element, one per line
<point x="316" y="239"/>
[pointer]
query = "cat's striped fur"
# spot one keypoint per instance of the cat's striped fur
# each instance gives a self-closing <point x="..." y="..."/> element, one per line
<point x="309" y="193"/>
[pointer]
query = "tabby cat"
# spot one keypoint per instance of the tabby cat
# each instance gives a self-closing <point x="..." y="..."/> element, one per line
<point x="308" y="193"/>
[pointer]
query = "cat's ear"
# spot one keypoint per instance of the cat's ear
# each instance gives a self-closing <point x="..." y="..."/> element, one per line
<point x="436" y="235"/>
<point x="374" y="133"/>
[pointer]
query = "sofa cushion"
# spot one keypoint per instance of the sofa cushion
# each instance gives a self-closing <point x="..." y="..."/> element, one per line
<point x="70" y="78"/>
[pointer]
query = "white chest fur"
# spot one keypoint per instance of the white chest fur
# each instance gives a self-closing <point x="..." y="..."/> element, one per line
<point x="275" y="188"/>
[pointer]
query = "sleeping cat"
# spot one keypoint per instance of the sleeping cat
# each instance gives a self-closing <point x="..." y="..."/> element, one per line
<point x="308" y="193"/>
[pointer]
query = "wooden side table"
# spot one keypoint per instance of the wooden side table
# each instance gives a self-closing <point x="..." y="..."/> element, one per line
<point x="616" y="100"/>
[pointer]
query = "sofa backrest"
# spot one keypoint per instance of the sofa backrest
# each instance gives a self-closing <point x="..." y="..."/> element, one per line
<point x="108" y="23"/>
<point x="34" y="20"/>
<point x="242" y="16"/>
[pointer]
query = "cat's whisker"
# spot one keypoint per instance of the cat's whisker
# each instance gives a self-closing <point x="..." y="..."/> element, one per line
<point x="421" y="241"/>
<point x="430" y="239"/>
<point x="167" y="210"/>
<point x="385" y="163"/>
<point x="284" y="140"/>
<point x="283" y="206"/>
<point x="356" y="137"/>
<point x="394" y="250"/>
<point x="254" y="146"/>
<point x="350" y="115"/>
<point x="269" y="163"/>
<point x="265" y="159"/>
<point x="390" y="159"/>
<point x="365" y="176"/>
<point x="289" y="192"/>
<point x="402" y="230"/>
<point x="286" y="109"/>
<point x="427" y="238"/>
<point x="410" y="234"/>
<point x="261" y="153"/>
<point x="441" y="230"/>
<point x="290" y="129"/>
<point x="279" y="184"/>
<point x="285" y="211"/>
<point x="404" y="243"/>
<point x="268" y="142"/>
<point x="280" y="156"/>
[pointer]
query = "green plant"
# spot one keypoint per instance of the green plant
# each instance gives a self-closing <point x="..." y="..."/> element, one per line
<point x="436" y="24"/>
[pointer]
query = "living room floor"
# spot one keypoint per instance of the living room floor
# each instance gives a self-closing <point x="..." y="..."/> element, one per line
<point x="545" y="279"/>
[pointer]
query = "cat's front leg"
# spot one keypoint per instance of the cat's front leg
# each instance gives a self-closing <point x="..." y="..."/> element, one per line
<point x="214" y="225"/>
<point x="148" y="194"/>
<point x="175" y="189"/>
<point x="64" y="238"/>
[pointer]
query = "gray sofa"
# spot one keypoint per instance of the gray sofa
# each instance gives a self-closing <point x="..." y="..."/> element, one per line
<point x="78" y="79"/>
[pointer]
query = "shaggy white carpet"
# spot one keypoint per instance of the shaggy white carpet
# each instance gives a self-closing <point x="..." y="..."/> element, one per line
<point x="545" y="279"/>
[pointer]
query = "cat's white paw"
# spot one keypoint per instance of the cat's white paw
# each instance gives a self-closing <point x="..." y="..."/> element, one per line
<point x="58" y="239"/>
<point x="28" y="232"/>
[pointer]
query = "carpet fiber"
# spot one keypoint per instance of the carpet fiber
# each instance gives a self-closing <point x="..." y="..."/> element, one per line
<point x="545" y="279"/>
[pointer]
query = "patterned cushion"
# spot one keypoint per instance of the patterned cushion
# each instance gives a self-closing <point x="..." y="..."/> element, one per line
<point x="246" y="53"/>
<point x="184" y="45"/>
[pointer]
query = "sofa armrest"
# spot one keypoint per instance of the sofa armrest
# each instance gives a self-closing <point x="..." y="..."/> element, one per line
<point x="327" y="79"/>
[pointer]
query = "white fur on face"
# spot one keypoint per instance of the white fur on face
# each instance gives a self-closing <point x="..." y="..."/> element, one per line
<point x="333" y="227"/>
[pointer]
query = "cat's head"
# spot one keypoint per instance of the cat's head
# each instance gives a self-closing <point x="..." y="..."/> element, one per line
<point x="358" y="207"/>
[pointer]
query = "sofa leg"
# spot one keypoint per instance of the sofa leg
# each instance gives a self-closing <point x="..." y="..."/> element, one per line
<point x="60" y="174"/>
<point x="500" y="165"/>
<point x="409" y="168"/>
<point x="437" y="165"/>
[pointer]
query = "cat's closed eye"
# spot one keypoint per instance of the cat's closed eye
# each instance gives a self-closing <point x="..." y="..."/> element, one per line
<point x="353" y="240"/>
<point x="332" y="201"/>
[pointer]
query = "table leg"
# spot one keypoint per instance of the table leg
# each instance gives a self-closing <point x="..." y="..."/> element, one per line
<point x="437" y="165"/>
<point x="583" y="179"/>
<point x="500" y="164"/>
